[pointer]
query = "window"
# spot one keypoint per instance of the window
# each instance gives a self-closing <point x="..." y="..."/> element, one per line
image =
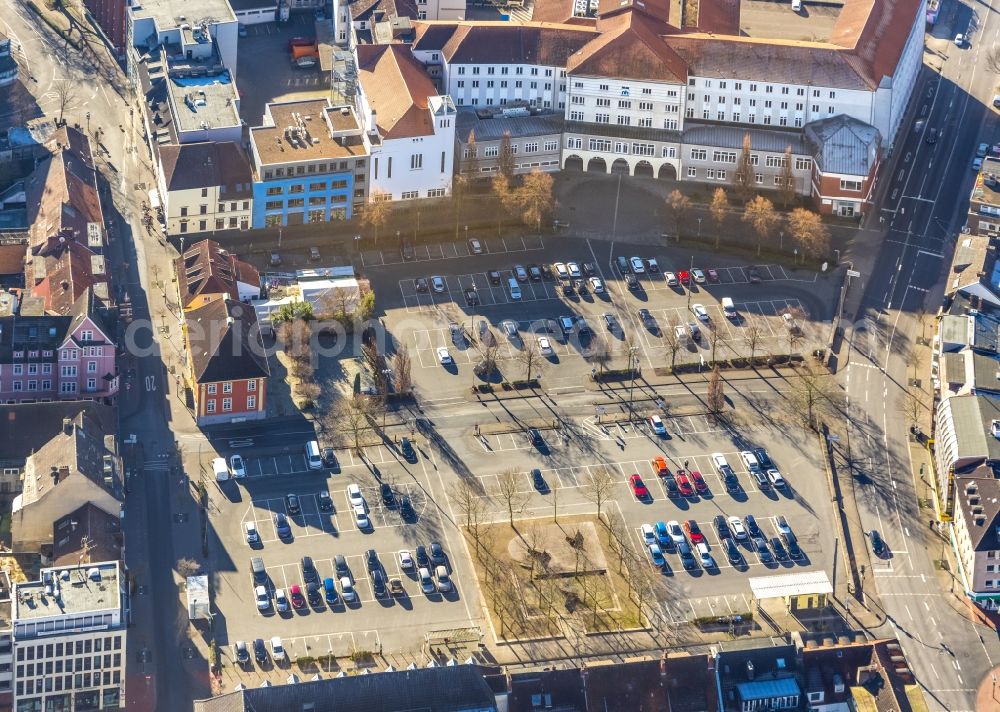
<point x="19" y="369"/>
<point x="531" y="147"/>
<point x="574" y="142"/>
<point x="416" y="161"/>
<point x="220" y="223"/>
<point x="624" y="104"/>
<point x="67" y="372"/>
<point x="296" y="202"/>
<point x="211" y="389"/>
<point x="577" y="100"/>
<point x="576" y="116"/>
<point x="669" y="152"/>
<point x="803" y="164"/>
<point x="699" y="154"/>
<point x="602" y="118"/>
<point x="491" y="151"/>
<point x="759" y="178"/>
<point x="670" y="124"/>
<point x="643" y="149"/>
<point x="410" y="195"/>
<point x="251" y="402"/>
<point x="775" y="162"/>
<point x="692" y="172"/>
<point x="91" y="384"/>
<point x="724" y="156"/>
<point x="604" y="102"/>
<point x="91" y="366"/>
<point x="210" y="406"/>
<point x="624" y="120"/>
<point x="551" y="146"/>
<point x="851" y="185"/>
<point x="435" y="193"/>
<point x="599" y="144"/>
<point x="645" y="122"/>
<point x="710" y="173"/>
<point x="227" y="404"/>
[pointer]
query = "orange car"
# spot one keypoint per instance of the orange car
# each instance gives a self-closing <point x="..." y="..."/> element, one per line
<point x="660" y="466"/>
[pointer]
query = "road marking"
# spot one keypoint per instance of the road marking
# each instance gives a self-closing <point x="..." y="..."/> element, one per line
<point x="930" y="254"/>
<point x="957" y="666"/>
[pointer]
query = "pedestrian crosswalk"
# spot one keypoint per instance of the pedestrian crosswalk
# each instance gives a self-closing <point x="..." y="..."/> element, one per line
<point x="156" y="466"/>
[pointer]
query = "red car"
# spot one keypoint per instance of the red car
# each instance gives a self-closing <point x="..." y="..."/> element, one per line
<point x="638" y="488"/>
<point x="684" y="276"/>
<point x="713" y="276"/>
<point x="684" y="484"/>
<point x="693" y="532"/>
<point x="699" y="481"/>
<point x="298" y="600"/>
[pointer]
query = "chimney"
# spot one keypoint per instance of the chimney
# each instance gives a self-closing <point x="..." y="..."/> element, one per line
<point x="54" y="473"/>
<point x="68" y="426"/>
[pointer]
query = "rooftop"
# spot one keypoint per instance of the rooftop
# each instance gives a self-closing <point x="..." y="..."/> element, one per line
<point x="784" y="585"/>
<point x="203" y="102"/>
<point x="173" y="13"/>
<point x="775" y="140"/>
<point x="971" y="262"/>
<point x="762" y="18"/>
<point x="972" y="417"/>
<point x="85" y="535"/>
<point x="225" y="342"/>
<point x="206" y="269"/>
<point x="489" y="127"/>
<point x="207" y="164"/>
<point x="66" y="591"/>
<point x="309" y="130"/>
<point x="398" y="87"/>
<point x="978" y="497"/>
<point x="844" y="145"/>
<point x="987" y="187"/>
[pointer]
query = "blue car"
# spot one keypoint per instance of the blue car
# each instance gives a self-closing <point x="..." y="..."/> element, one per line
<point x="329" y="591"/>
<point x="282" y="526"/>
<point x="662" y="535"/>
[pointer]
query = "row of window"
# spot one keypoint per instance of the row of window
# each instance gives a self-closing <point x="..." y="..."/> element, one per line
<point x="414" y="194"/>
<point x="227" y="404"/>
<point x="504" y="69"/>
<point x="333" y="166"/>
<point x="314" y="201"/>
<point x="313" y="187"/>
<point x="721" y="174"/>
<point x="78" y="647"/>
<point x="61" y="665"/>
<point x="489" y="101"/>
<point x="776" y="161"/>
<point x="66" y="682"/>
<point x="522" y="166"/>
<point x="238" y="187"/>
<point x="753" y="87"/>
<point x="604" y="145"/>
<point x="203" y="209"/>
<point x="46" y="385"/>
<point x="669" y="108"/>
<point x="494" y="151"/>
<point x="768" y="104"/>
<point x="220" y="224"/>
<point x="518" y="84"/>
<point x="227" y="387"/>
<point x="312" y="216"/>
<point x="737" y="118"/>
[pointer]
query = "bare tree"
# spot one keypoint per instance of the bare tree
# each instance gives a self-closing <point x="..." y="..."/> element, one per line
<point x="531" y="358"/>
<point x="599" y="487"/>
<point x="618" y="538"/>
<point x="489" y="350"/>
<point x="912" y="405"/>
<point x="598" y="352"/>
<point x="402" y="369"/>
<point x="762" y="218"/>
<point x="473" y="509"/>
<point x="753" y="334"/>
<point x="65" y="93"/>
<point x="744" y="177"/>
<point x="509" y="484"/>
<point x="187" y="567"/>
<point x="812" y="396"/>
<point x="793" y="329"/>
<point x="348" y="418"/>
<point x="376" y="212"/>
<point x="503" y="193"/>
<point x="786" y="179"/>
<point x="716" y="396"/>
<point x="806" y="228"/>
<point x="716" y="339"/>
<point x="505" y="162"/>
<point x="672" y="341"/>
<point x="719" y="209"/>
<point x="678" y="206"/>
<point x="993" y="60"/>
<point x="554" y="491"/>
<point x="459" y="186"/>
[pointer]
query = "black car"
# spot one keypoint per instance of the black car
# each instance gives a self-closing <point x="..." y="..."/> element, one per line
<point x="314" y="593"/>
<point x="763" y="553"/>
<point x="648" y="320"/>
<point x="371" y="560"/>
<point x="309" y="573"/>
<point x="792" y="544"/>
<point x="535" y="272"/>
<point x="538" y="480"/>
<point x="420" y="284"/>
<point x="779" y="550"/>
<point x="546" y="272"/>
<point x="671" y="484"/>
<point x="259" y="651"/>
<point x="753" y="276"/>
<point x="407" y="251"/>
<point x="731" y="480"/>
<point x="378" y="584"/>
<point x="567" y="289"/>
<point x="329" y="457"/>
<point x="752" y="527"/>
<point x="766" y="463"/>
<point x="472" y="297"/>
<point x="340" y="564"/>
<point x="732" y="552"/>
<point x="241" y="653"/>
<point x="406" y="447"/>
<point x="292" y="504"/>
<point x="406" y="510"/>
<point x="631" y="281"/>
<point x="388" y="496"/>
<point x="535" y="437"/>
<point x="588" y="269"/>
<point x="722" y="526"/>
<point x="493" y="276"/>
<point x="878" y="544"/>
<point x="423" y="561"/>
<point x="932" y="136"/>
<point x="325" y="502"/>
<point x="437" y="553"/>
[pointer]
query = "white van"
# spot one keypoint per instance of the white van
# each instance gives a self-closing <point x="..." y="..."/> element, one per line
<point x="728" y="308"/>
<point x="313" y="459"/>
<point x="515" y="288"/>
<point x="220" y="469"/>
<point x="796" y="5"/>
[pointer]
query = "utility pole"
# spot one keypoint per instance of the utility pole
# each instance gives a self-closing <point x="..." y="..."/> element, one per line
<point x="632" y="351"/>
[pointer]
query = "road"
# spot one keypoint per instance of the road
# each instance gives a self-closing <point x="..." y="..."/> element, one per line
<point x="923" y="196"/>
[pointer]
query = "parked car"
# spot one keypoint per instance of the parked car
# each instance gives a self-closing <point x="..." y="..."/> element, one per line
<point x="656" y="555"/>
<point x="405" y="560"/>
<point x="763" y="459"/>
<point x="647" y="319"/>
<point x="698" y="276"/>
<point x="423" y="560"/>
<point x="259" y="651"/>
<point x="538" y="481"/>
<point x="637" y="265"/>
<point x="656" y="423"/>
<point x="737" y="528"/>
<point x="263" y="598"/>
<point x="406" y="510"/>
<point x="237" y="467"/>
<point x="693" y="531"/>
<point x="631" y="282"/>
<point x="652" y="265"/>
<point x="443" y="580"/>
<point x="752" y="527"/>
<point x="406" y="447"/>
<point x="763" y="553"/>
<point x="280" y="600"/>
<point x="704" y="556"/>
<point x="281" y="525"/>
<point x="329" y="457"/>
<point x="878" y="544"/>
<point x="444" y="358"/>
<point x="792" y="544"/>
<point x="775" y="478"/>
<point x="388" y="496"/>
<point x="687" y="558"/>
<point x="684" y="484"/>
<point x="779" y="550"/>
<point x="295" y="593"/>
<point x="675" y="531"/>
<point x="309" y="573"/>
<point x="292" y="504"/>
<point x="545" y="346"/>
<point x="475" y="247"/>
<point x="438" y="285"/>
<point x="721" y="526"/>
<point x="354" y="495"/>
<point x="421" y="284"/>
<point x="361" y="517"/>
<point x="535" y="437"/>
<point x="494" y="276"/>
<point x="251" y="533"/>
<point x="638" y="487"/>
<point x="700" y="311"/>
<point x="699" y="482"/>
<point x="437" y="554"/>
<point x="662" y="535"/>
<point x="426" y="582"/>
<point x="671" y="279"/>
<point x="241" y="654"/>
<point x="347" y="591"/>
<point x="733" y="553"/>
<point x="520" y="273"/>
<point x="325" y="501"/>
<point x="574" y="270"/>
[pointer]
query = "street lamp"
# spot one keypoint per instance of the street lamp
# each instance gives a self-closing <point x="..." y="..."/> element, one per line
<point x="699" y="228"/>
<point x="632" y="351"/>
<point x="88" y="122"/>
<point x="838" y="255"/>
<point x="781" y="240"/>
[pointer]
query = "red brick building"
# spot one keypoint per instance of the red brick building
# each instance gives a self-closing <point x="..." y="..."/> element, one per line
<point x="227" y="363"/>
<point x="846" y="158"/>
<point x="110" y="15"/>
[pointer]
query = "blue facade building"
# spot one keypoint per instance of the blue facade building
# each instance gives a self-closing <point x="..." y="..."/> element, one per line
<point x="310" y="162"/>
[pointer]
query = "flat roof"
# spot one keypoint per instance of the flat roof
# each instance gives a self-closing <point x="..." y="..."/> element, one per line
<point x="768" y="689"/>
<point x="68" y="590"/>
<point x="784" y="585"/>
<point x="211" y="101"/>
<point x="168" y="13"/>
<point x="987" y="186"/>
<point x="328" y="132"/>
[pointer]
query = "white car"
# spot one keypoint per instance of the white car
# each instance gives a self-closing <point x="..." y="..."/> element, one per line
<point x="782" y="525"/>
<point x="736" y="526"/>
<point x="698" y="276"/>
<point x="544" y="347"/>
<point x="671" y="279"/>
<point x="959" y="40"/>
<point x="776" y="479"/>
<point x="250" y="530"/>
<point x="597" y="285"/>
<point x="574" y="270"/>
<point x="361" y="516"/>
<point x="263" y="598"/>
<point x="437" y="284"/>
<point x="347" y="589"/>
<point x="237" y="467"/>
<point x="653" y="265"/>
<point x="405" y="560"/>
<point x="444" y="358"/>
<point x="280" y="600"/>
<point x="277" y="649"/>
<point x="354" y="495"/>
<point x="675" y="531"/>
<point x="707" y="562"/>
<point x="719" y="460"/>
<point x="638" y="267"/>
<point x="750" y="461"/>
<point x="648" y="535"/>
<point x="657" y="424"/>
<point x="476" y="247"/>
<point x="561" y="270"/>
<point x="700" y="312"/>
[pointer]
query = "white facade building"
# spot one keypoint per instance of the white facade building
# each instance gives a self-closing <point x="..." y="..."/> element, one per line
<point x="69" y="638"/>
<point x="205" y="187"/>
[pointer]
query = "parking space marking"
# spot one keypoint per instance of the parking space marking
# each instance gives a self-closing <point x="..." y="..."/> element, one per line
<point x="450" y="251"/>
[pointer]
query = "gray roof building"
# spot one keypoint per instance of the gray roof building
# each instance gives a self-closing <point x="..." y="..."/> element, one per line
<point x="721" y="136"/>
<point x="844" y="145"/>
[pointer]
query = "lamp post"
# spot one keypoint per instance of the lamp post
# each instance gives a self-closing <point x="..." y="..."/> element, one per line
<point x="88" y="122"/>
<point x="781" y="240"/>
<point x="632" y="351"/>
<point x="699" y="228"/>
<point x="838" y="255"/>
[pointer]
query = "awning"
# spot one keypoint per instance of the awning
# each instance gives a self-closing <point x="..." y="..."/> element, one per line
<point x="787" y="585"/>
